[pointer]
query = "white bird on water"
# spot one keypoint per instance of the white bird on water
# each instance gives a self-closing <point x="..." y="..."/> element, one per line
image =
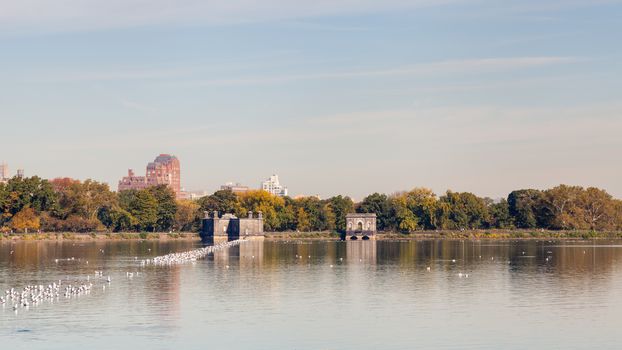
<point x="193" y="255"/>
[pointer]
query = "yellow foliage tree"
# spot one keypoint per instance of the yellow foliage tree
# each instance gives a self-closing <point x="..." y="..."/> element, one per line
<point x="265" y="202"/>
<point x="303" y="222"/>
<point x="25" y="219"/>
<point x="186" y="214"/>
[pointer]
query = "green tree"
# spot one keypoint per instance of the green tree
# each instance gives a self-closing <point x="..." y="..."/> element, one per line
<point x="341" y="206"/>
<point x="116" y="218"/>
<point x="4" y="205"/>
<point x="286" y="214"/>
<point x="32" y="192"/>
<point x="500" y="215"/>
<point x="166" y="207"/>
<point x="379" y="204"/>
<point x="314" y="207"/>
<point x="466" y="210"/>
<point x="142" y="206"/>
<point x="223" y="201"/>
<point x="525" y="207"/>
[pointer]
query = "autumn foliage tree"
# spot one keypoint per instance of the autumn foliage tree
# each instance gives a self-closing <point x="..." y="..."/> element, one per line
<point x="86" y="206"/>
<point x="25" y="219"/>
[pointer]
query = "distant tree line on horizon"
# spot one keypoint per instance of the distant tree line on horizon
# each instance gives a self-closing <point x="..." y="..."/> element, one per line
<point x="67" y="205"/>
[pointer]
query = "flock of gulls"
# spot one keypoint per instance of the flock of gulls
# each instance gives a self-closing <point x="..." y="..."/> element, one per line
<point x="37" y="294"/>
<point x="185" y="257"/>
<point x="34" y="295"/>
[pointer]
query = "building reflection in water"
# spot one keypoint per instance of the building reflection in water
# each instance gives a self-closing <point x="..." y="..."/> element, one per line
<point x="567" y="264"/>
<point x="361" y="251"/>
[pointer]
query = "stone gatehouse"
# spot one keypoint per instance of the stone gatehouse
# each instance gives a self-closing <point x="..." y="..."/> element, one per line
<point x="360" y="224"/>
<point x="231" y="226"/>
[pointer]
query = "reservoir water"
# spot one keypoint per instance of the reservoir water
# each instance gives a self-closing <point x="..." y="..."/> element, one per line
<point x="319" y="295"/>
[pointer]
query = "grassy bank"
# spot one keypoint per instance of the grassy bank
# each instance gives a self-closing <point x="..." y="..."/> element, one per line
<point x="322" y="235"/>
<point x="467" y="234"/>
<point x="328" y="235"/>
<point x="503" y="234"/>
<point x="72" y="236"/>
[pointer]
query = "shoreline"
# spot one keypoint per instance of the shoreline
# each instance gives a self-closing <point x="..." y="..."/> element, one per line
<point x="459" y="235"/>
<point x="325" y="235"/>
<point x="97" y="236"/>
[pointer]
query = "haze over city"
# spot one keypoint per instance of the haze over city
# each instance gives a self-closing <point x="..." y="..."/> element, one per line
<point x="476" y="96"/>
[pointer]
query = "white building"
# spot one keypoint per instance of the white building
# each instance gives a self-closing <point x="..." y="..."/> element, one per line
<point x="273" y="186"/>
<point x="4" y="172"/>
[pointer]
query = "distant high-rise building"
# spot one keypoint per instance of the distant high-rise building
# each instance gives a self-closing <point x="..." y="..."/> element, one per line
<point x="273" y="186"/>
<point x="20" y="173"/>
<point x="4" y="172"/>
<point x="164" y="170"/>
<point x="234" y="187"/>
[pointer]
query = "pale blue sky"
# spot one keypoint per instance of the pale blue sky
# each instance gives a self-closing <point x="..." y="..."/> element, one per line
<point x="349" y="97"/>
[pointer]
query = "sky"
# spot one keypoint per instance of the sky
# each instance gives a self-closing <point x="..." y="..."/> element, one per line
<point x="337" y="97"/>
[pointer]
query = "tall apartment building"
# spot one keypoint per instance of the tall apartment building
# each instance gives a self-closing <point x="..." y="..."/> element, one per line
<point x="4" y="172"/>
<point x="273" y="186"/>
<point x="164" y="170"/>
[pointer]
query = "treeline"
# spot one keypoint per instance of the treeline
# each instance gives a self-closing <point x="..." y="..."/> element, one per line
<point x="59" y="205"/>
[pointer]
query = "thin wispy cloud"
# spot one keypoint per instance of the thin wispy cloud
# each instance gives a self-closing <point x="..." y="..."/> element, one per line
<point x="513" y="93"/>
<point x="79" y="15"/>
<point x="441" y="67"/>
<point x="185" y="75"/>
<point x="141" y="107"/>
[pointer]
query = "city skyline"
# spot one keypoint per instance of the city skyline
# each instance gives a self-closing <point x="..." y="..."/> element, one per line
<point x="336" y="97"/>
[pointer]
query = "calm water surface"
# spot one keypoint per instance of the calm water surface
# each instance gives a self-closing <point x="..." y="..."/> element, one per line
<point x="286" y="295"/>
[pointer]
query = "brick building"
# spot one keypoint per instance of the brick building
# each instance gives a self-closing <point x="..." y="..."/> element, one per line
<point x="164" y="170"/>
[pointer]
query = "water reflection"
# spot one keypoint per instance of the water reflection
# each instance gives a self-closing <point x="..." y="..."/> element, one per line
<point x="283" y="293"/>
